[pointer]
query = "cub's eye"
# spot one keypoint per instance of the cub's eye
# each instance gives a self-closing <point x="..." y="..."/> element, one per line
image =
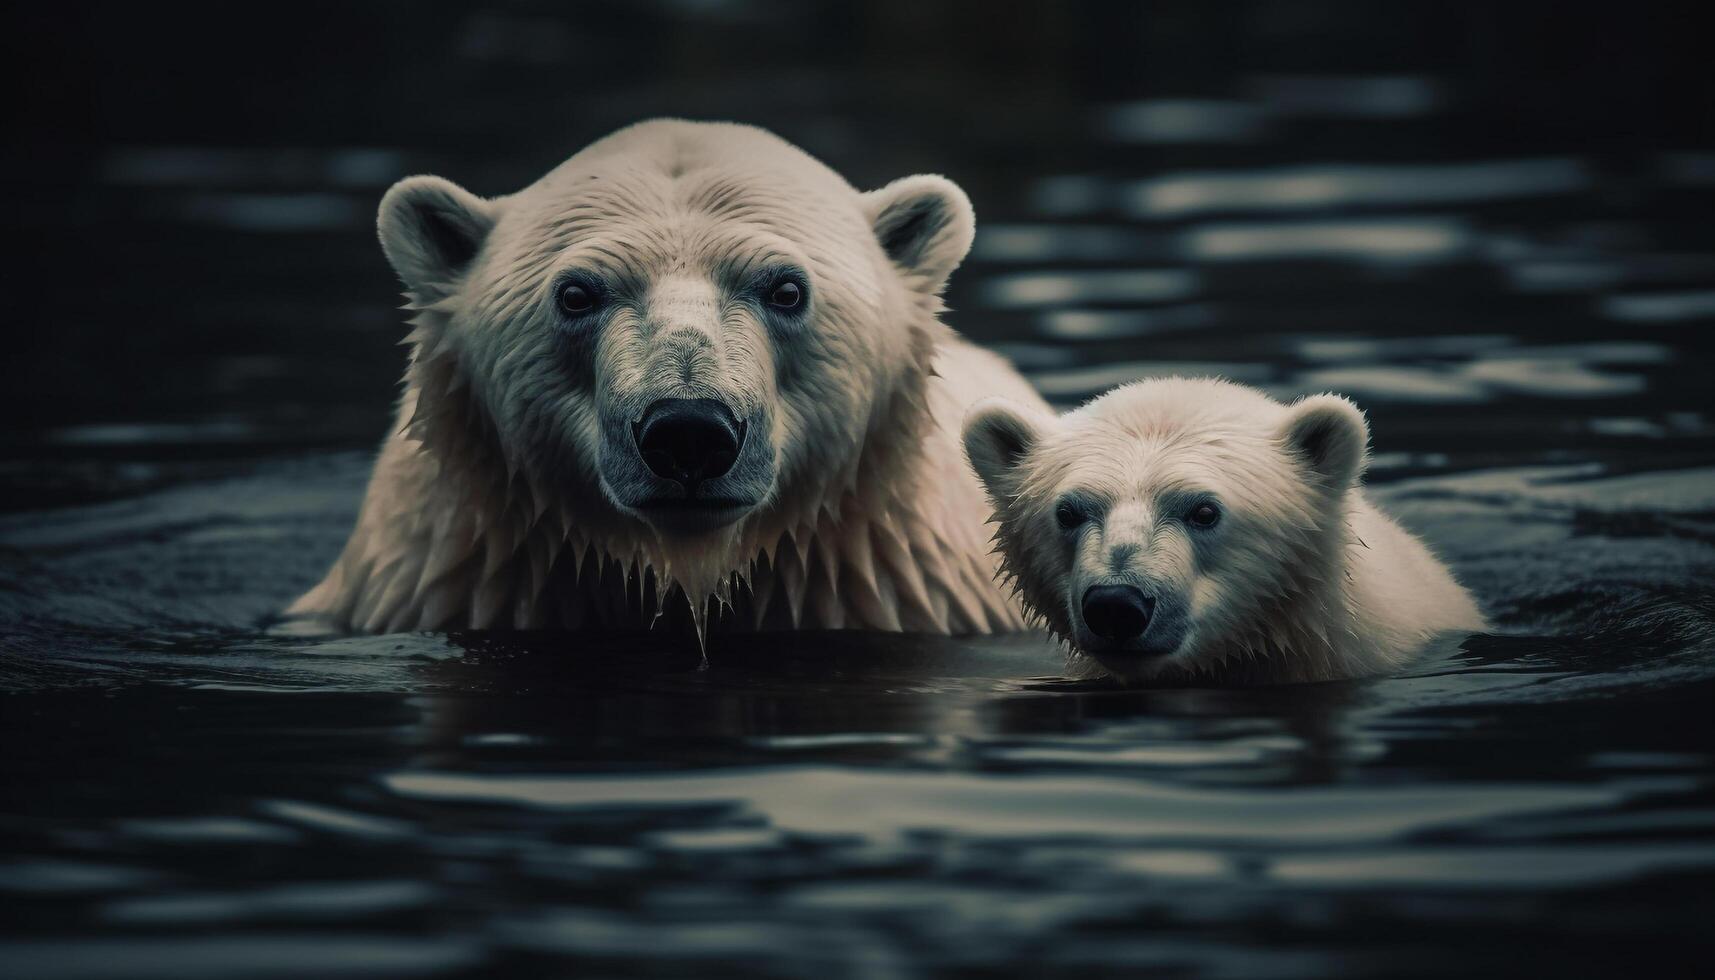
<point x="786" y="295"/>
<point x="1069" y="515"/>
<point x="1204" y="515"/>
<point x="575" y="298"/>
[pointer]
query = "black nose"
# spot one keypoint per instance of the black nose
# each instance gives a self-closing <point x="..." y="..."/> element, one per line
<point x="1117" y="612"/>
<point x="688" y="439"/>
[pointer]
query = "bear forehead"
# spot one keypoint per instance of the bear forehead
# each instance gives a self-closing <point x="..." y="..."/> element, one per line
<point x="1178" y="449"/>
<point x="675" y="147"/>
<point x="1158" y="422"/>
<point x="1183" y="403"/>
<point x="670" y="168"/>
<point x="671" y="189"/>
<point x="1129" y="461"/>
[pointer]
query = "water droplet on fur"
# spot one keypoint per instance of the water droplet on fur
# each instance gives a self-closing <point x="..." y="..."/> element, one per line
<point x="700" y="619"/>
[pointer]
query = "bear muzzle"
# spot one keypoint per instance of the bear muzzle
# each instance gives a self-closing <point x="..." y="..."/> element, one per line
<point x="1120" y="622"/>
<point x="688" y="465"/>
<point x="1117" y="613"/>
<point x="688" y="440"/>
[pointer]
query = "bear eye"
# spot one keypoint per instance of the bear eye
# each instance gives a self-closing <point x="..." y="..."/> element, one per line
<point x="786" y="295"/>
<point x="1204" y="515"/>
<point x="576" y="298"/>
<point x="1069" y="515"/>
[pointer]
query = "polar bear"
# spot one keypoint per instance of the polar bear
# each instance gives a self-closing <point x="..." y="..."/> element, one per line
<point x="690" y="362"/>
<point x="1186" y="529"/>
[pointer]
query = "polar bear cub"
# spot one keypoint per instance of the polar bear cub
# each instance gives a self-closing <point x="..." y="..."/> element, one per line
<point x="1199" y="529"/>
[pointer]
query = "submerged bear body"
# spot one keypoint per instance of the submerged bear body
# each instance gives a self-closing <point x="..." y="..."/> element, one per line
<point x="1198" y="530"/>
<point x="691" y="363"/>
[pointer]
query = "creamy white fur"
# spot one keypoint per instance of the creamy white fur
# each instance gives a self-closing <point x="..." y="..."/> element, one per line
<point x="1302" y="579"/>
<point x="487" y="506"/>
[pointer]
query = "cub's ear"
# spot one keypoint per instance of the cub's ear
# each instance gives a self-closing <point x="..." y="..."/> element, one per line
<point x="925" y="225"/>
<point x="431" y="230"/>
<point x="1330" y="434"/>
<point x="998" y="435"/>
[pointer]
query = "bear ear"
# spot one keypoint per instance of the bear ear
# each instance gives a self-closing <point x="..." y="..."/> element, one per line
<point x="431" y="230"/>
<point x="925" y="225"/>
<point x="998" y="435"/>
<point x="1329" y="433"/>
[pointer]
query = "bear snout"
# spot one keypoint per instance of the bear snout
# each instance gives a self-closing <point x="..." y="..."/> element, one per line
<point x="687" y="465"/>
<point x="1117" y="613"/>
<point x="688" y="440"/>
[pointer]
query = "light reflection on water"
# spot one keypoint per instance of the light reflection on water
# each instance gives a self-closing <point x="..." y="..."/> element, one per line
<point x="835" y="803"/>
<point x="1060" y="289"/>
<point x="1661" y="307"/>
<point x="1314" y="188"/>
<point x="1389" y="241"/>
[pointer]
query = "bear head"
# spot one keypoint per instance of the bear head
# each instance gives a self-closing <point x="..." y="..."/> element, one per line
<point x="686" y="333"/>
<point x="1169" y="525"/>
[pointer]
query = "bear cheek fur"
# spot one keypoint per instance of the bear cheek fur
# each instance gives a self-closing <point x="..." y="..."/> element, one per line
<point x="1278" y="530"/>
<point x="836" y="384"/>
<point x="1040" y="560"/>
<point x="493" y="351"/>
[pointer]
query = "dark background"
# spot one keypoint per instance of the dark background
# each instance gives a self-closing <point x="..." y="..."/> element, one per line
<point x="194" y="276"/>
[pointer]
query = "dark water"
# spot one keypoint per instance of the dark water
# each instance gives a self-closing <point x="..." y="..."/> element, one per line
<point x="1492" y="230"/>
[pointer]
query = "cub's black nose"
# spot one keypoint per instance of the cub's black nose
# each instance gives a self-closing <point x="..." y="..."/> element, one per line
<point x="1117" y="612"/>
<point x="688" y="439"/>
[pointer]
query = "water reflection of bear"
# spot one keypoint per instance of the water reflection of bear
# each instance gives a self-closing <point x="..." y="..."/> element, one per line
<point x="1300" y="733"/>
<point x="620" y="702"/>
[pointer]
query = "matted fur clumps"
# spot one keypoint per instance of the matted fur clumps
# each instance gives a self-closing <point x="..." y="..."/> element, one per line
<point x="1238" y="523"/>
<point x="508" y="494"/>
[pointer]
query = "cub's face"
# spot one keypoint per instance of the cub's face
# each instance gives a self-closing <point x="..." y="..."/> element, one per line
<point x="1154" y="527"/>
<point x="681" y="324"/>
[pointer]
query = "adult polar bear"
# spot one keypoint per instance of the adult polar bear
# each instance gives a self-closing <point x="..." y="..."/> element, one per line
<point x="691" y="359"/>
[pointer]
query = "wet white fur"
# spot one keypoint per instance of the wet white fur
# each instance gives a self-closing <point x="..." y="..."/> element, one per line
<point x="1303" y="579"/>
<point x="485" y="508"/>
